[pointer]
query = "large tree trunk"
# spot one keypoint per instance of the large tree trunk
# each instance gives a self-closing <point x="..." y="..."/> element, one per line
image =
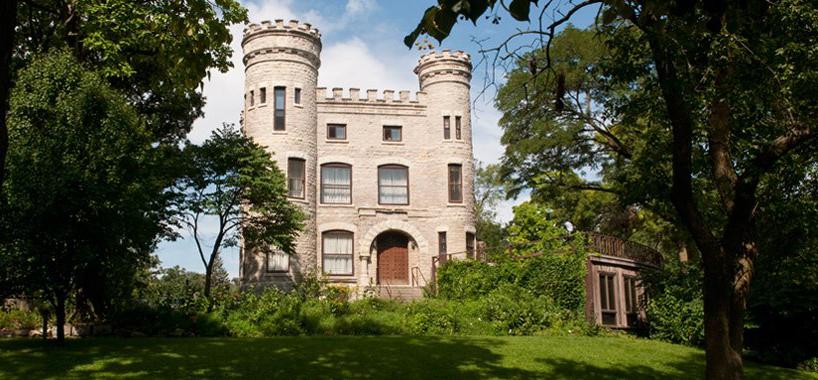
<point x="723" y="357"/>
<point x="60" y="313"/>
<point x="8" y="20"/>
<point x="723" y="306"/>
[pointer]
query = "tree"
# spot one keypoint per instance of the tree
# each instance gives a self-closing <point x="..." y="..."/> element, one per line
<point x="81" y="186"/>
<point x="726" y="88"/>
<point x="488" y="192"/>
<point x="156" y="52"/>
<point x="235" y="181"/>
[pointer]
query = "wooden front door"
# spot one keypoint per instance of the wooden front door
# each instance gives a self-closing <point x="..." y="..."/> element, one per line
<point x="393" y="259"/>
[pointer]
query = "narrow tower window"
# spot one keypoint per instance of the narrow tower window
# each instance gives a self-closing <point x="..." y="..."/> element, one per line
<point x="278" y="122"/>
<point x="447" y="128"/>
<point x="455" y="183"/>
<point x="252" y="98"/>
<point x="442" y="250"/>
<point x="295" y="177"/>
<point x="297" y="96"/>
<point x="262" y="95"/>
<point x="470" y="245"/>
<point x="457" y="128"/>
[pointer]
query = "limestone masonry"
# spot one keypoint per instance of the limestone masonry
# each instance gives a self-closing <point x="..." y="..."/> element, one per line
<point x="385" y="181"/>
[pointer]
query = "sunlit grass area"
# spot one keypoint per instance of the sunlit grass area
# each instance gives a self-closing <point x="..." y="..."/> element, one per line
<point x="565" y="357"/>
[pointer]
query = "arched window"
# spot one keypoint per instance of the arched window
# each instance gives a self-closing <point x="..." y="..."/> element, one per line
<point x="393" y="185"/>
<point x="336" y="252"/>
<point x="336" y="183"/>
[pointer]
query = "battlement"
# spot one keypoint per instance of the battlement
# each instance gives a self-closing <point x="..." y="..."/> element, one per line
<point x="446" y="54"/>
<point x="280" y="25"/>
<point x="371" y="96"/>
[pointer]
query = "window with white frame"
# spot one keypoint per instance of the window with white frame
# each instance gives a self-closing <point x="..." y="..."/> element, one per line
<point x="336" y="252"/>
<point x="336" y="183"/>
<point x="393" y="185"/>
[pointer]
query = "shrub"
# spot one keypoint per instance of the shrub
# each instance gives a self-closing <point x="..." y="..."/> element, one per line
<point x="516" y="311"/>
<point x="558" y="276"/>
<point x="431" y="317"/>
<point x="17" y="319"/>
<point x="465" y="279"/>
<point x="270" y="313"/>
<point x="675" y="305"/>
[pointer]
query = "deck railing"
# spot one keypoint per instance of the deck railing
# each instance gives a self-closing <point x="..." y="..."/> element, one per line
<point x="607" y="245"/>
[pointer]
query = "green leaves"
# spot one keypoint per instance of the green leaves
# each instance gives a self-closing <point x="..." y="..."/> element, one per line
<point x="519" y="9"/>
<point x="437" y="21"/>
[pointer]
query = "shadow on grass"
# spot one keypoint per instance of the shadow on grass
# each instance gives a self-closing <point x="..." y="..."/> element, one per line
<point x="689" y="367"/>
<point x="300" y="357"/>
<point x="333" y="357"/>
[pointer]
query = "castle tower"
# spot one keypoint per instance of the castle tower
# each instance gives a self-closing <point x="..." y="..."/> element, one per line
<point x="445" y="78"/>
<point x="281" y="72"/>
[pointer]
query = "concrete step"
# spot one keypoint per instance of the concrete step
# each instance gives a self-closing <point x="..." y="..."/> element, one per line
<point x="400" y="293"/>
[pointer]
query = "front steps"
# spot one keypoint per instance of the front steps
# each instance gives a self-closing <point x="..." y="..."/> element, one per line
<point x="399" y="293"/>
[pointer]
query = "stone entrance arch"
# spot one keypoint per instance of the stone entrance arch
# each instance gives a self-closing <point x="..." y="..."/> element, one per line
<point x="392" y="249"/>
<point x="389" y="232"/>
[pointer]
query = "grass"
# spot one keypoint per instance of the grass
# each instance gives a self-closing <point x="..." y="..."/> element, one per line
<point x="553" y="357"/>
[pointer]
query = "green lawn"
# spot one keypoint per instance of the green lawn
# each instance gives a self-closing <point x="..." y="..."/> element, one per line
<point x="371" y="357"/>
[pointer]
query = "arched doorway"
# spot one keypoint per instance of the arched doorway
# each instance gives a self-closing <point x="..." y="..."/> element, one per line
<point x="393" y="258"/>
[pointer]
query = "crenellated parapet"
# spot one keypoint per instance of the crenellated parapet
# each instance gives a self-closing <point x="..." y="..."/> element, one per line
<point x="279" y="26"/>
<point x="275" y="40"/>
<point x="372" y="96"/>
<point x="444" y="66"/>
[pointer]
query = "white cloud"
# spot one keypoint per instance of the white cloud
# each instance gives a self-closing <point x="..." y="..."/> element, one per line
<point x="351" y="63"/>
<point x="356" y="7"/>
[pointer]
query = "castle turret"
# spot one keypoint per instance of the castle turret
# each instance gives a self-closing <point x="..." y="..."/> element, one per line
<point x="281" y="72"/>
<point x="445" y="78"/>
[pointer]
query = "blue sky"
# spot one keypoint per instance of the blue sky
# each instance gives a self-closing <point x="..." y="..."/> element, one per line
<point x="362" y="48"/>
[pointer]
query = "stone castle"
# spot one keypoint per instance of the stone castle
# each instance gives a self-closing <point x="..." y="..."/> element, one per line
<point x="385" y="181"/>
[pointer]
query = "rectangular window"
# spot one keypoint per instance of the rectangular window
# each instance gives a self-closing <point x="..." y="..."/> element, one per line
<point x="295" y="177"/>
<point x="336" y="248"/>
<point x="631" y="302"/>
<point x="455" y="183"/>
<point x="393" y="185"/>
<point x="262" y="95"/>
<point x="442" y="250"/>
<point x="457" y="128"/>
<point x="447" y="128"/>
<point x="336" y="131"/>
<point x="278" y="122"/>
<point x="297" y="96"/>
<point x="607" y="298"/>
<point x="392" y="133"/>
<point x="336" y="183"/>
<point x="252" y="98"/>
<point x="470" y="244"/>
<point x="278" y="261"/>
